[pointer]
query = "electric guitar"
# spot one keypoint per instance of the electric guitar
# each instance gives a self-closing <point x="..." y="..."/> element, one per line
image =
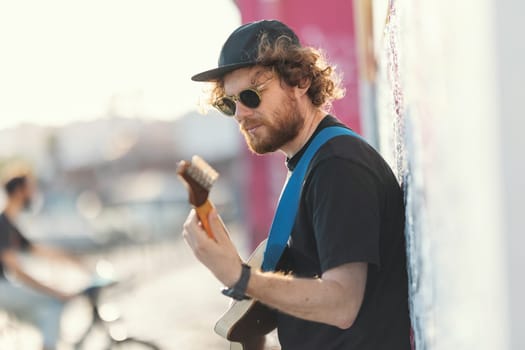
<point x="246" y="322"/>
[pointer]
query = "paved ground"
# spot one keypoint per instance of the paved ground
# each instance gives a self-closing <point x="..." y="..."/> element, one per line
<point x="174" y="302"/>
<point x="177" y="304"/>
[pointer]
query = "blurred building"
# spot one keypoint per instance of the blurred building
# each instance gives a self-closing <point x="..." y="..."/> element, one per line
<point x="115" y="178"/>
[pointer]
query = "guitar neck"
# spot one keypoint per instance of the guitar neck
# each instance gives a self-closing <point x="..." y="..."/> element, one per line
<point x="203" y="211"/>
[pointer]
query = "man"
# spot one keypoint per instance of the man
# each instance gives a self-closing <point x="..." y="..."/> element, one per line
<point x="344" y="284"/>
<point x="27" y="298"/>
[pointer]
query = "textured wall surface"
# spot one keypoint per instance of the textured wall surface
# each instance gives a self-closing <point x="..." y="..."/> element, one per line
<point x="437" y="116"/>
<point x="510" y="47"/>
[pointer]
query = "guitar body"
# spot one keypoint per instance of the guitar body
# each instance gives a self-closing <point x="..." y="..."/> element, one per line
<point x="246" y="322"/>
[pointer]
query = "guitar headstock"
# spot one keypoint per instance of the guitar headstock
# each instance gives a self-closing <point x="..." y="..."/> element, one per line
<point x="198" y="177"/>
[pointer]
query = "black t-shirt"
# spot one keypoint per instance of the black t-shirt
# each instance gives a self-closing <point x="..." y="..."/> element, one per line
<point x="351" y="210"/>
<point x="10" y="238"/>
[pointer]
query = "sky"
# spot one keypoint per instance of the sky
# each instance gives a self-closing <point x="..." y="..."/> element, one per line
<point x="68" y="60"/>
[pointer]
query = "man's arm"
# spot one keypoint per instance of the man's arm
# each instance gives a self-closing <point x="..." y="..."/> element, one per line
<point x="11" y="262"/>
<point x="56" y="254"/>
<point x="335" y="298"/>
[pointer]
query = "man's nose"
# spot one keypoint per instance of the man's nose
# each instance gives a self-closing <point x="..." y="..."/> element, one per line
<point x="241" y="111"/>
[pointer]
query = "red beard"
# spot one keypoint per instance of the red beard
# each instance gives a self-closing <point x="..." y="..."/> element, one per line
<point x="272" y="133"/>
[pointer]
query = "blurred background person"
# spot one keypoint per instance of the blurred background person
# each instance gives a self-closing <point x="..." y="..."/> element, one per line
<point x="21" y="294"/>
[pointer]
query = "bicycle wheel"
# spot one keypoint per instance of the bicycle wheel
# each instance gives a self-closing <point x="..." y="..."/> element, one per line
<point x="134" y="344"/>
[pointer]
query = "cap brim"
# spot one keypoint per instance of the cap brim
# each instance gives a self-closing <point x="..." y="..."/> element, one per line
<point x="217" y="73"/>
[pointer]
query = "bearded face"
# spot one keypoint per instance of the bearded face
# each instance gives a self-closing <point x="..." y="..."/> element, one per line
<point x="27" y="193"/>
<point x="277" y="119"/>
<point x="28" y="201"/>
<point x="265" y="134"/>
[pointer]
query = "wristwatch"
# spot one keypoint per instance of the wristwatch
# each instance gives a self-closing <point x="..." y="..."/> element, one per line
<point x="238" y="291"/>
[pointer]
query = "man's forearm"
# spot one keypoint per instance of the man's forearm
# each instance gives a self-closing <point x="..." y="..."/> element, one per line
<point x="57" y="254"/>
<point x="33" y="283"/>
<point x="312" y="299"/>
<point x="10" y="260"/>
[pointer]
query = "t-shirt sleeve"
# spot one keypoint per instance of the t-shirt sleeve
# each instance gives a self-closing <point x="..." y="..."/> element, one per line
<point x="12" y="239"/>
<point x="4" y="240"/>
<point x="344" y="199"/>
<point x="25" y="243"/>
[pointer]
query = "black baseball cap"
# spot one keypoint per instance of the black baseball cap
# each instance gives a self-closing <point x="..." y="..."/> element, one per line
<point x="241" y="48"/>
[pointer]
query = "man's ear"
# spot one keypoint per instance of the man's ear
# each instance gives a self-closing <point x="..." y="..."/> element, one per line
<point x="301" y="89"/>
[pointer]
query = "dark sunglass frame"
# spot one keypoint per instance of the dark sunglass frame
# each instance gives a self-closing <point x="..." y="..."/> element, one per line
<point x="227" y="105"/>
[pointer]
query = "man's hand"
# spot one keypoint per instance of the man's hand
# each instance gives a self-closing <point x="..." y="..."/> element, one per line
<point x="220" y="255"/>
<point x="64" y="297"/>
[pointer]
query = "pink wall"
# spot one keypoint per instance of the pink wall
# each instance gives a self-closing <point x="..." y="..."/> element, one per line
<point x="325" y="24"/>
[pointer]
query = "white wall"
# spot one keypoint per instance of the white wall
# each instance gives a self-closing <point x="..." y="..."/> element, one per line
<point x="447" y="134"/>
<point x="510" y="60"/>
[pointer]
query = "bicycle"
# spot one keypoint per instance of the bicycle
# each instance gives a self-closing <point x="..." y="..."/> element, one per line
<point x="106" y="318"/>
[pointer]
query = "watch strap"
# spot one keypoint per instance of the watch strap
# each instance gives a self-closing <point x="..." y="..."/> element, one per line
<point x="238" y="291"/>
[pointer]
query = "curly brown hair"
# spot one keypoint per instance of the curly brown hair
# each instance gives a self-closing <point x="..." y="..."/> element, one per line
<point x="296" y="66"/>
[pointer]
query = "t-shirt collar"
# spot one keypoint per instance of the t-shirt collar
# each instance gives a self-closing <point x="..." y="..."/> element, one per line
<point x="291" y="163"/>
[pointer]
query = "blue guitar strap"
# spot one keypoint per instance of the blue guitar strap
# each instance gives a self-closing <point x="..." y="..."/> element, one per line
<point x="286" y="212"/>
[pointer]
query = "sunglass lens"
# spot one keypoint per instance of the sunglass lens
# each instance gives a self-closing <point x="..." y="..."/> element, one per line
<point x="226" y="105"/>
<point x="250" y="98"/>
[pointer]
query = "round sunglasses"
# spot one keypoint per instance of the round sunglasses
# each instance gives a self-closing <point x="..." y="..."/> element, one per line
<point x="251" y="98"/>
